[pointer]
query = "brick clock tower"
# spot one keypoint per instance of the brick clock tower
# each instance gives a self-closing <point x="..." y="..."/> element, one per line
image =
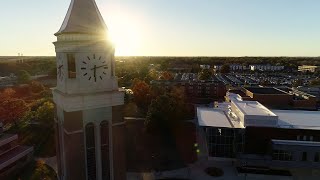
<point x="90" y="130"/>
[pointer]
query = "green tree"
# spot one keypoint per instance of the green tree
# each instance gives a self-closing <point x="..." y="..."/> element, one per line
<point x="225" y="69"/>
<point x="45" y="114"/>
<point x="205" y="74"/>
<point x="163" y="117"/>
<point x="315" y="82"/>
<point x="23" y="77"/>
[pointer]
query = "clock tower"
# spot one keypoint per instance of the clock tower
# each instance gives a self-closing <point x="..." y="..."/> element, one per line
<point x="90" y="130"/>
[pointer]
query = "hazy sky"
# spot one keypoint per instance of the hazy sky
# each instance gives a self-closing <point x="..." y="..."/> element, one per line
<point x="174" y="27"/>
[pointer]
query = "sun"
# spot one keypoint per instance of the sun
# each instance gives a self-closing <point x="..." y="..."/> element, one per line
<point x="125" y="35"/>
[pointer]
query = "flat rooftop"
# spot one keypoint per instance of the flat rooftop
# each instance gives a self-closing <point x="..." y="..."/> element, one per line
<point x="297" y="119"/>
<point x="289" y="119"/>
<point x="253" y="108"/>
<point x="215" y="118"/>
<point x="264" y="90"/>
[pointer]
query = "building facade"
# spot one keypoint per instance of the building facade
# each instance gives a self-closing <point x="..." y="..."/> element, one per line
<point x="90" y="130"/>
<point x="255" y="136"/>
<point x="12" y="156"/>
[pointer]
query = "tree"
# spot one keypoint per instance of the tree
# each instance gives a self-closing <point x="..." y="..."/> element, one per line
<point x="315" y="82"/>
<point x="165" y="75"/>
<point x="141" y="94"/>
<point x="205" y="74"/>
<point x="297" y="82"/>
<point x="41" y="171"/>
<point x="225" y="69"/>
<point x="162" y="116"/>
<point x="12" y="110"/>
<point x="7" y="94"/>
<point x="23" y="77"/>
<point x="36" y="87"/>
<point x="45" y="114"/>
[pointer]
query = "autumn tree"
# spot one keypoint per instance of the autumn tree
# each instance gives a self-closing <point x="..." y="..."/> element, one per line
<point x="41" y="171"/>
<point x="36" y="87"/>
<point x="7" y="94"/>
<point x="141" y="94"/>
<point x="12" y="110"/>
<point x="165" y="75"/>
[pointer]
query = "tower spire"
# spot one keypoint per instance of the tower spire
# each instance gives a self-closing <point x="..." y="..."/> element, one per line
<point x="83" y="17"/>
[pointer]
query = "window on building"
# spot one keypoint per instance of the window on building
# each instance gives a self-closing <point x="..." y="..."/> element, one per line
<point x="316" y="157"/>
<point x="91" y="151"/>
<point x="104" y="130"/>
<point x="304" y="156"/>
<point x="282" y="155"/>
<point x="304" y="138"/>
<point x="298" y="138"/>
<point x="311" y="138"/>
<point x="71" y="66"/>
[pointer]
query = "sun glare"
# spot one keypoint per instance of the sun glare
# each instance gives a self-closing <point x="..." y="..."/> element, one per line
<point x="125" y="35"/>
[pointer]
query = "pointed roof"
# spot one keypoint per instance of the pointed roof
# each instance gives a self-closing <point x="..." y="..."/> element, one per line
<point x="83" y="17"/>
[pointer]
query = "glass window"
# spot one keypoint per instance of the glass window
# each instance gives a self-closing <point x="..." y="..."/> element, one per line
<point x="91" y="152"/>
<point x="304" y="156"/>
<point x="71" y="66"/>
<point x="104" y="130"/>
<point x="316" y="157"/>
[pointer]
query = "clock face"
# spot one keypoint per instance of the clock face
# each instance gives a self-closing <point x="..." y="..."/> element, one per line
<point x="94" y="68"/>
<point x="60" y="68"/>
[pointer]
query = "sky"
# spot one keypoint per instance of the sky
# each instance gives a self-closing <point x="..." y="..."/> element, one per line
<point x="173" y="27"/>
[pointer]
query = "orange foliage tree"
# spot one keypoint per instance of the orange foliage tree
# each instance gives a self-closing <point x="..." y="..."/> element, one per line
<point x="11" y="108"/>
<point x="142" y="93"/>
<point x="165" y="75"/>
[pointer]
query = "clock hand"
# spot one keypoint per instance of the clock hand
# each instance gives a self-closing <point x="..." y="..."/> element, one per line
<point x="96" y="67"/>
<point x="94" y="71"/>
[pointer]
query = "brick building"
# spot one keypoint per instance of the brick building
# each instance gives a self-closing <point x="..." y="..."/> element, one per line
<point x="196" y="91"/>
<point x="281" y="98"/>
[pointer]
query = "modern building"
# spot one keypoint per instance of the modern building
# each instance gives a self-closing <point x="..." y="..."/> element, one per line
<point x="307" y="68"/>
<point x="233" y="67"/>
<point x="254" y="136"/>
<point x="12" y="156"/>
<point x="279" y="98"/>
<point x="196" y="91"/>
<point x="90" y="129"/>
<point x="266" y="67"/>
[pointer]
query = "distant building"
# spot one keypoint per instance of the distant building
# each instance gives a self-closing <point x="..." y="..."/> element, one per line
<point x="12" y="155"/>
<point x="266" y="67"/>
<point x="205" y="66"/>
<point x="255" y="136"/>
<point x="196" y="91"/>
<point x="280" y="98"/>
<point x="8" y="81"/>
<point x="315" y="91"/>
<point x="306" y="68"/>
<point x="233" y="67"/>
